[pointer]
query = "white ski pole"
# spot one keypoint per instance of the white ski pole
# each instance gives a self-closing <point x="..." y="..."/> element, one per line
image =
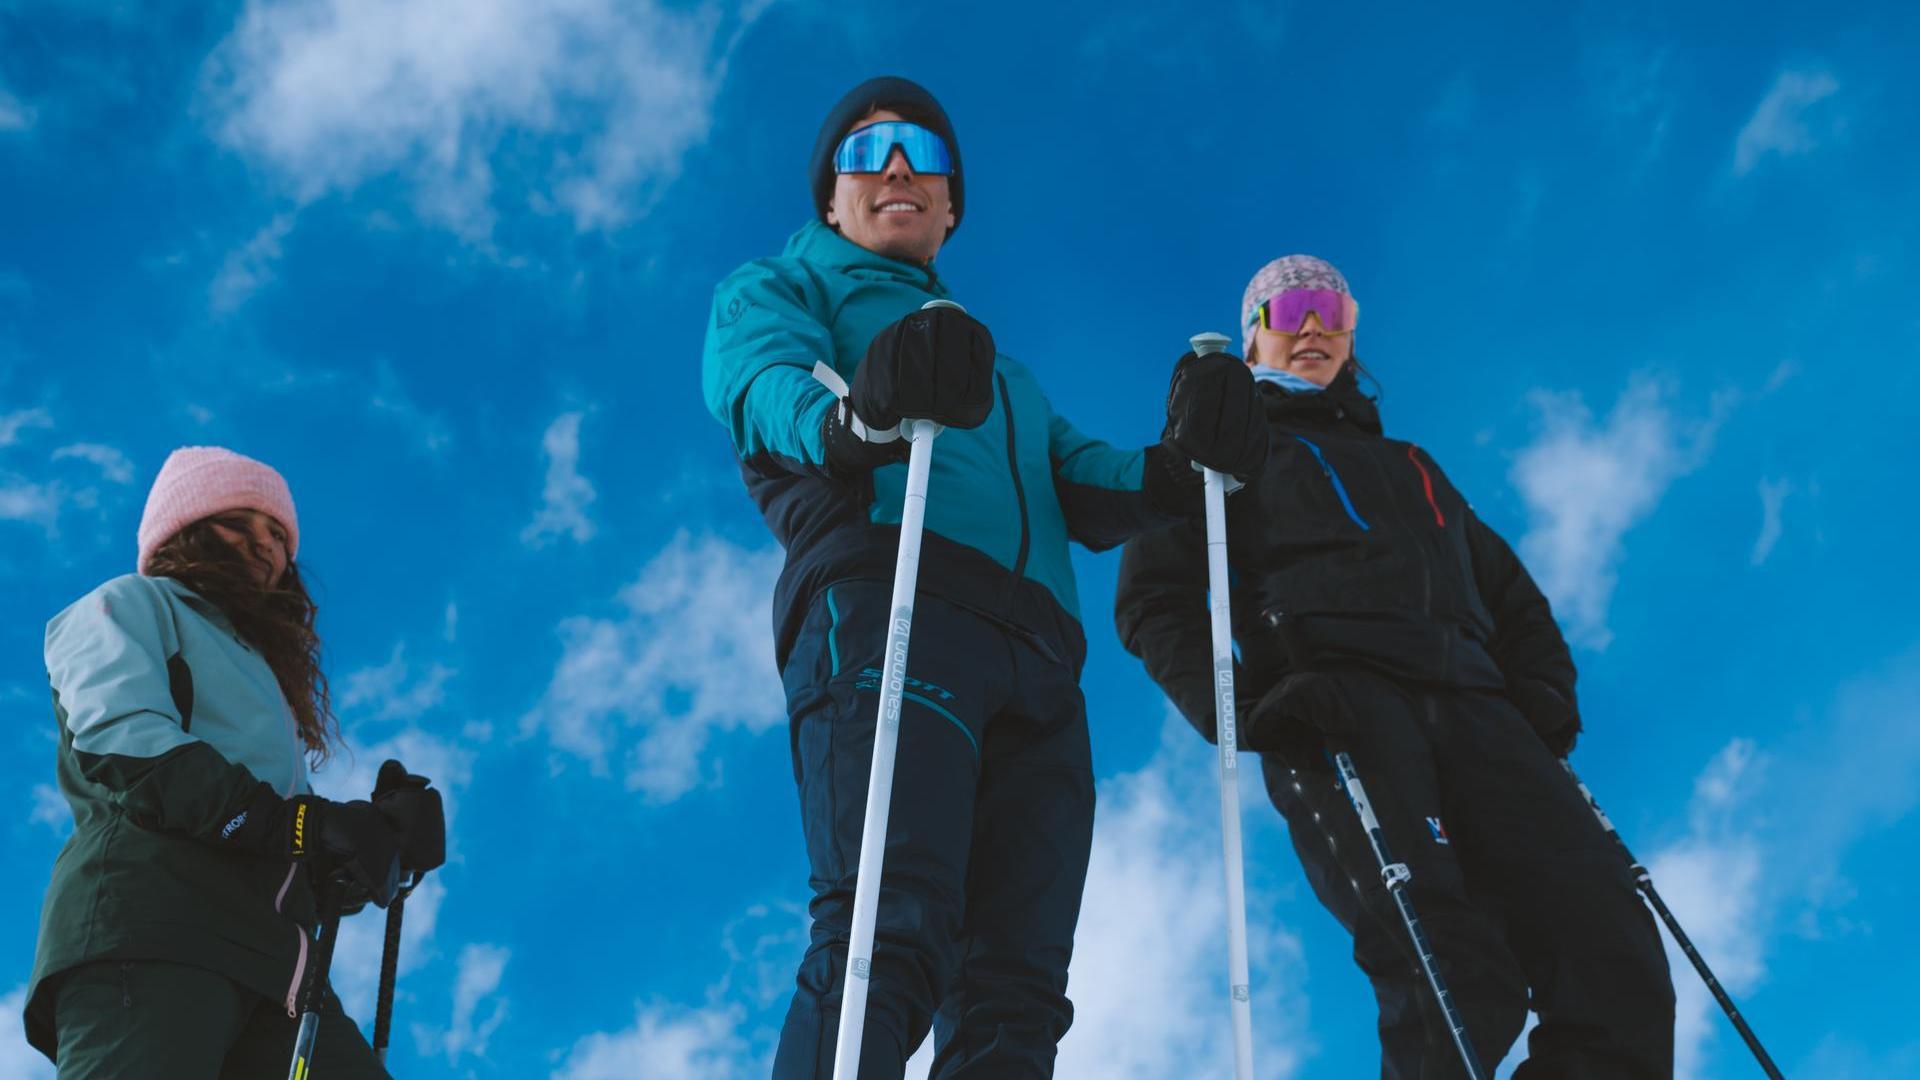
<point x="1226" y="735"/>
<point x="886" y="737"/>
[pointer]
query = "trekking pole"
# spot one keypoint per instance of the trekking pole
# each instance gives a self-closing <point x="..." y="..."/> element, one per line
<point x="1644" y="881"/>
<point x="1239" y="999"/>
<point x="886" y="737"/>
<point x="1397" y="877"/>
<point x="313" y="987"/>
<point x="389" y="969"/>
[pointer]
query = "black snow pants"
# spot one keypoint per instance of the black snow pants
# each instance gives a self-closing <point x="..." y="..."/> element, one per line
<point x="1517" y="886"/>
<point x="988" y="838"/>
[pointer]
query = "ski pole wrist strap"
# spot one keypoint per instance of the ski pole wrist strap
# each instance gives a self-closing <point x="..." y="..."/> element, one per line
<point x="824" y="374"/>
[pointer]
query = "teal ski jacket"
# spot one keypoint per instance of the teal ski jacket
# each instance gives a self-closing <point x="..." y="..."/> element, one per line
<point x="1003" y="499"/>
<point x="168" y="725"/>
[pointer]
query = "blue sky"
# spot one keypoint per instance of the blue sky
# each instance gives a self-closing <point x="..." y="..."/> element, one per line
<point x="1641" y="278"/>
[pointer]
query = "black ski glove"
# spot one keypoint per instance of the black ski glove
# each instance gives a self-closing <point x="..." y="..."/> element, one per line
<point x="935" y="364"/>
<point x="414" y="810"/>
<point x="1214" y="417"/>
<point x="851" y="455"/>
<point x="1552" y="716"/>
<point x="350" y="838"/>
<point x="1214" y="420"/>
<point x="1297" y="714"/>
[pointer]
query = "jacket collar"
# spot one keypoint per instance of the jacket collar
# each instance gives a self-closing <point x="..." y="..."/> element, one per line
<point x="1340" y="402"/>
<point x="820" y="244"/>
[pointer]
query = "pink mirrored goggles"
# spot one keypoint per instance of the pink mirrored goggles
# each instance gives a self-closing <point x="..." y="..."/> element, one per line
<point x="1286" y="310"/>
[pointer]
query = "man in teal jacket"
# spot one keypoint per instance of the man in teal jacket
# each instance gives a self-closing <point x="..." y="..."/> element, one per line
<point x="989" y="832"/>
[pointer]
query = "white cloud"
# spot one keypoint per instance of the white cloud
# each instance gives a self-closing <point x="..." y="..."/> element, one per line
<point x="351" y="775"/>
<point x="1150" y="953"/>
<point x="1710" y="879"/>
<point x="1627" y="81"/>
<point x="1780" y="124"/>
<point x="114" y="465"/>
<point x="394" y="690"/>
<point x="1773" y="495"/>
<point x="15" y="115"/>
<point x="1148" y="966"/>
<point x="248" y="268"/>
<point x="19" y="1061"/>
<point x="666" y="1041"/>
<point x="587" y="105"/>
<point x="480" y="970"/>
<point x="567" y="494"/>
<point x="691" y="653"/>
<point x="50" y="809"/>
<point x="1760" y="858"/>
<point x="356" y="958"/>
<point x="1585" y="483"/>
<point x="13" y="423"/>
<point x="388" y="398"/>
<point x="33" y="503"/>
<point x="1838" y="1057"/>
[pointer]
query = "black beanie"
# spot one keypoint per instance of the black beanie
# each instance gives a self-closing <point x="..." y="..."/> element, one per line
<point x="903" y="96"/>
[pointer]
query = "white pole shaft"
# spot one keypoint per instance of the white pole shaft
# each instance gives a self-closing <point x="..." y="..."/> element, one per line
<point x="886" y="739"/>
<point x="1226" y="733"/>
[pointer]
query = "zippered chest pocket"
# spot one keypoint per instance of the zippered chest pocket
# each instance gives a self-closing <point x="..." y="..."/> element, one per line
<point x="1325" y="467"/>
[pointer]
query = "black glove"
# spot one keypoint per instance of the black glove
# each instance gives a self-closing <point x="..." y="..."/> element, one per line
<point x="1296" y="715"/>
<point x="935" y="364"/>
<point x="851" y="456"/>
<point x="414" y="810"/>
<point x="1552" y="716"/>
<point x="1214" y="417"/>
<point x="350" y="838"/>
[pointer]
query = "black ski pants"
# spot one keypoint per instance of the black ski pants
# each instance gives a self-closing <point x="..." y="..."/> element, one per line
<point x="1525" y="900"/>
<point x="990" y="829"/>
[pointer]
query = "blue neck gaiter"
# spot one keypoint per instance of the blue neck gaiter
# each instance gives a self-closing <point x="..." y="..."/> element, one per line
<point x="1285" y="380"/>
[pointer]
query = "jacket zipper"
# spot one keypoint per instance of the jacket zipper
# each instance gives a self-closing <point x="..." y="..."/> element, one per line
<point x="1339" y="488"/>
<point x="300" y="965"/>
<point x="1426" y="482"/>
<point x="1019" y="491"/>
<point x="1393" y="497"/>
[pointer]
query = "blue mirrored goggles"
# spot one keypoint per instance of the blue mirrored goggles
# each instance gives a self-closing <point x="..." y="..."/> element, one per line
<point x="867" y="149"/>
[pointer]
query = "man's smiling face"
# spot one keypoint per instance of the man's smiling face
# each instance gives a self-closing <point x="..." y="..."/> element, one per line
<point x="897" y="213"/>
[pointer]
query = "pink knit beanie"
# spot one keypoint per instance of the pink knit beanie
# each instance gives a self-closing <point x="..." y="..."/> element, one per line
<point x="1287" y="272"/>
<point x="201" y="481"/>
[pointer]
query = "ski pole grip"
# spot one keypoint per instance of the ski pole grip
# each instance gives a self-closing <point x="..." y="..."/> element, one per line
<point x="1208" y="343"/>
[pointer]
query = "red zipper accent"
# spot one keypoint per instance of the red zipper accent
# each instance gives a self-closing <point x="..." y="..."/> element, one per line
<point x="1426" y="481"/>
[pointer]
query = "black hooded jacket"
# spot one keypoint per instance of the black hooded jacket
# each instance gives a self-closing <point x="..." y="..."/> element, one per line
<point x="1350" y="550"/>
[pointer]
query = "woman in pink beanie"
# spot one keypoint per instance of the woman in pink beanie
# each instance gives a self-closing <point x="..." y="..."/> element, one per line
<point x="177" y="931"/>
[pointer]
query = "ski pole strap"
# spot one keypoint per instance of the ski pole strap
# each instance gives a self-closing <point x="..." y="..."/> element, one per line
<point x="837" y="386"/>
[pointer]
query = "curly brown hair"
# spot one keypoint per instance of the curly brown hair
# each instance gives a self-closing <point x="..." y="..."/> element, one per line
<point x="276" y="620"/>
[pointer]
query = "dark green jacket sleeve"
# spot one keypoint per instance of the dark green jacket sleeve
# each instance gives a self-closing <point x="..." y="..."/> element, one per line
<point x="107" y="664"/>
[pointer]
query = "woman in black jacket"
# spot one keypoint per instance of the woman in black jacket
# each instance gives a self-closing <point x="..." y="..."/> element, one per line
<point x="1372" y="609"/>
